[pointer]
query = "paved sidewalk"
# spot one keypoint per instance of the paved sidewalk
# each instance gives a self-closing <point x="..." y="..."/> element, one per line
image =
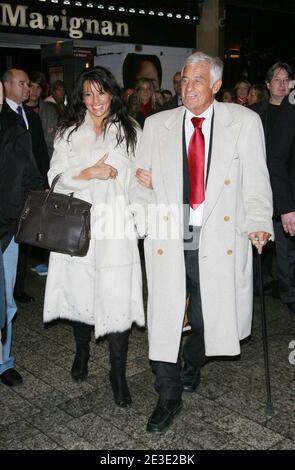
<point x="49" y="411"/>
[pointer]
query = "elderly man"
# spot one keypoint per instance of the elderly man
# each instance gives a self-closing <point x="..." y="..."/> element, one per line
<point x="209" y="158"/>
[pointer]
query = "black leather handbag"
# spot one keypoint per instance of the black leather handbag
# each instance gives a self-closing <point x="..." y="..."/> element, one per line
<point x="56" y="222"/>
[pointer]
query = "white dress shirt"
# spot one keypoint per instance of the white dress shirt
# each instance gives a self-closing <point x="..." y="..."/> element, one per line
<point x="13" y="105"/>
<point x="196" y="215"/>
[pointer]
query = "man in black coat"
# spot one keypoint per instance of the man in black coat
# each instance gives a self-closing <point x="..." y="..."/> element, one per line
<point x="278" y="118"/>
<point x="176" y="99"/>
<point x="281" y="166"/>
<point x="16" y="88"/>
<point x="18" y="175"/>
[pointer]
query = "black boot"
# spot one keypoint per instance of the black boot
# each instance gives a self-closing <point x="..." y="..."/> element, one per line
<point x="82" y="333"/>
<point x="118" y="343"/>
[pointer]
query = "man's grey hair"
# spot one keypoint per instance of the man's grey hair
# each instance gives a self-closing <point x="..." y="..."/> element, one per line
<point x="216" y="64"/>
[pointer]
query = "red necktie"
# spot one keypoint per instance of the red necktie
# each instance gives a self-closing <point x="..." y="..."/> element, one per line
<point x="196" y="163"/>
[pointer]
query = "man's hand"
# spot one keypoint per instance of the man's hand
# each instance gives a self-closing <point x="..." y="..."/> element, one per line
<point x="288" y="222"/>
<point x="259" y="240"/>
<point x="144" y="177"/>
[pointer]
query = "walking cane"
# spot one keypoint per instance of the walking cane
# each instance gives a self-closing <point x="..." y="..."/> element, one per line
<point x="269" y="406"/>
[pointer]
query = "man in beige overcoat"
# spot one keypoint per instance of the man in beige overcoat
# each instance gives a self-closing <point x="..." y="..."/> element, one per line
<point x="214" y="263"/>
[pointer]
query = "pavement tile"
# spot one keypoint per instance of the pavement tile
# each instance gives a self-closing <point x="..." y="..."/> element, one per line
<point x="18" y="431"/>
<point x="40" y="442"/>
<point x="248" y="431"/>
<point x="285" y="444"/>
<point x="51" y="411"/>
<point x="97" y="431"/>
<point x="65" y="437"/>
<point x="283" y="424"/>
<point x="48" y="418"/>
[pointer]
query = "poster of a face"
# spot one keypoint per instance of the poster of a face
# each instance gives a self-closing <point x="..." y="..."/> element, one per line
<point x="138" y="66"/>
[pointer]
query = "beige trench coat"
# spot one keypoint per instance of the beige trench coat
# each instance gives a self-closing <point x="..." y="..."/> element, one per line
<point x="238" y="202"/>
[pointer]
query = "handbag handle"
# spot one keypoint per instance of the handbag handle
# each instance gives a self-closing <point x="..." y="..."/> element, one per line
<point x="55" y="180"/>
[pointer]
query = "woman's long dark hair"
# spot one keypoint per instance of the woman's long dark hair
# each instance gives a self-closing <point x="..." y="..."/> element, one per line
<point x="76" y="110"/>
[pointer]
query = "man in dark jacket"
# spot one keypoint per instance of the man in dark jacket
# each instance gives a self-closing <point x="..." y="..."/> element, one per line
<point x="18" y="175"/>
<point x="16" y="87"/>
<point x="278" y="119"/>
<point x="281" y="166"/>
<point x="176" y="99"/>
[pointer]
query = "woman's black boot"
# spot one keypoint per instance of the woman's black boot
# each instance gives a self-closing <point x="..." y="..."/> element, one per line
<point x="82" y="334"/>
<point x="118" y="343"/>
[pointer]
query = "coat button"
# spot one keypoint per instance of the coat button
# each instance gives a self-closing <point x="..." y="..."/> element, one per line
<point x="227" y="182"/>
<point x="160" y="252"/>
<point x="166" y="218"/>
<point x="230" y="252"/>
<point x="226" y="218"/>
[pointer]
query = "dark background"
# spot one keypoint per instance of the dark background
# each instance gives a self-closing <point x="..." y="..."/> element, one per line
<point x="257" y="33"/>
<point x="260" y="37"/>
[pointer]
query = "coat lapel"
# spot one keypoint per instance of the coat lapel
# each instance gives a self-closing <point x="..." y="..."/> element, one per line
<point x="170" y="140"/>
<point x="225" y="136"/>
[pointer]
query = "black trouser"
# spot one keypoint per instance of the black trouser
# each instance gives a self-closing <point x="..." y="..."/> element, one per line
<point x="168" y="383"/>
<point x="193" y="351"/>
<point x="285" y="251"/>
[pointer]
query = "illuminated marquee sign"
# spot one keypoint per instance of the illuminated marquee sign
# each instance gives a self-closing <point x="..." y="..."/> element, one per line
<point x="74" y="27"/>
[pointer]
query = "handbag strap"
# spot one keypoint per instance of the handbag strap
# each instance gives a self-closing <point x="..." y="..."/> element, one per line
<point x="55" y="180"/>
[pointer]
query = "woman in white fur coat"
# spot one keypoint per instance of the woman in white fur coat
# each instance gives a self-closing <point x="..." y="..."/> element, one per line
<point x="94" y="152"/>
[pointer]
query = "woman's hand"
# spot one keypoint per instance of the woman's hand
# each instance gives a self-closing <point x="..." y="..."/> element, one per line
<point x="144" y="177"/>
<point x="100" y="170"/>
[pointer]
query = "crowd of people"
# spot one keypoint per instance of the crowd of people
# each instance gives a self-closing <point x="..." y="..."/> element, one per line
<point x="204" y="182"/>
<point x="245" y="94"/>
